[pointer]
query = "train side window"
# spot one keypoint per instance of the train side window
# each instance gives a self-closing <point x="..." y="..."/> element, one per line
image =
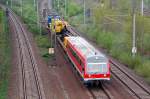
<point x="70" y="49"/>
<point x="76" y="57"/>
<point x="82" y="64"/>
<point x="73" y="53"/>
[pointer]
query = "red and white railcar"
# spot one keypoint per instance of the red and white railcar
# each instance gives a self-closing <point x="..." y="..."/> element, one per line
<point x="90" y="63"/>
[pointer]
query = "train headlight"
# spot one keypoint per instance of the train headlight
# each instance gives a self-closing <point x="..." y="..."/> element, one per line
<point x="89" y="75"/>
<point x="104" y="75"/>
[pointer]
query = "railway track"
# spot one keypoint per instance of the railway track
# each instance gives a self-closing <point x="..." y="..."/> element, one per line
<point x="147" y="12"/>
<point x="100" y="92"/>
<point x="31" y="82"/>
<point x="137" y="89"/>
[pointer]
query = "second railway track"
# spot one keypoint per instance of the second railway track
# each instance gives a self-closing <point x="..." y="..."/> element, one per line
<point x="31" y="83"/>
<point x="137" y="89"/>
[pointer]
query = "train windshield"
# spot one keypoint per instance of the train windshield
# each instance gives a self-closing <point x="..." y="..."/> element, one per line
<point x="97" y="65"/>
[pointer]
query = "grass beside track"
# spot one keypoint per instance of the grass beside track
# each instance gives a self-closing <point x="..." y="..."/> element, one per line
<point x="5" y="55"/>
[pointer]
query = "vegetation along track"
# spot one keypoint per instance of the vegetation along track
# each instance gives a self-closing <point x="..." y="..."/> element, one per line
<point x="31" y="83"/>
<point x="96" y="92"/>
<point x="137" y="89"/>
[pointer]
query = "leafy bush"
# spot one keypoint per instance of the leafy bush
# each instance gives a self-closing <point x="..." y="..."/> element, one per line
<point x="1" y="16"/>
<point x="115" y="51"/>
<point x="126" y="57"/>
<point x="73" y="9"/>
<point x="105" y="39"/>
<point x="144" y="70"/>
<point x="76" y="20"/>
<point x="5" y="55"/>
<point x="42" y="41"/>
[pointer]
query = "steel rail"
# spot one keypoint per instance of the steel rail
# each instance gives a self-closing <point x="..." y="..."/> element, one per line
<point x="92" y="93"/>
<point x="106" y="91"/>
<point x="107" y="94"/>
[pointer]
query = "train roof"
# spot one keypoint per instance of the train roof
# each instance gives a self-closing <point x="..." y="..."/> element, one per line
<point x="85" y="48"/>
